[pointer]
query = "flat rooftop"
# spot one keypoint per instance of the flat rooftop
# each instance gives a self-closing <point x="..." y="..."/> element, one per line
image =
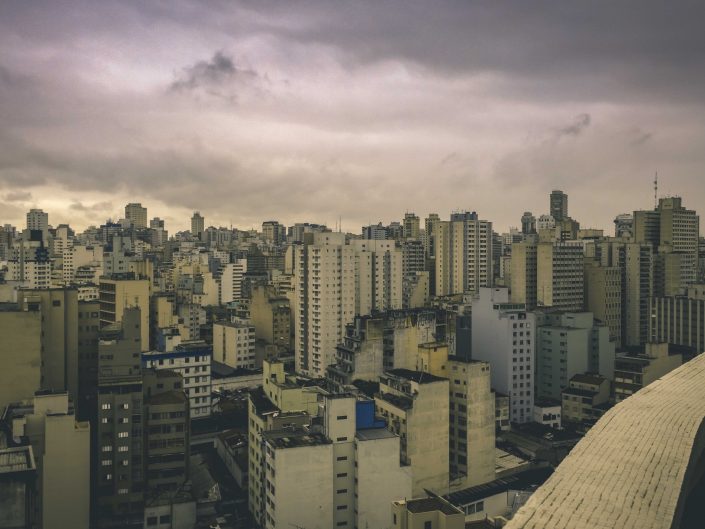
<point x="588" y="378"/>
<point x="419" y="377"/>
<point x="282" y="439"/>
<point x="371" y="434"/>
<point x="431" y="505"/>
<point x="520" y="481"/>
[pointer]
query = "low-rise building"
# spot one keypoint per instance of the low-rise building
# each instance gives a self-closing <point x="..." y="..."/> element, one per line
<point x="548" y="412"/>
<point x="426" y="513"/>
<point x="586" y="398"/>
<point x="634" y="371"/>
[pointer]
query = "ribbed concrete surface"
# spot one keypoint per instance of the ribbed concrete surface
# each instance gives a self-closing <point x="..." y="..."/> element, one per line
<point x="628" y="470"/>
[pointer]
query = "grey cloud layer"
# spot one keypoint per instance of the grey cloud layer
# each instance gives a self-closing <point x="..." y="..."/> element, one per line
<point x="310" y="110"/>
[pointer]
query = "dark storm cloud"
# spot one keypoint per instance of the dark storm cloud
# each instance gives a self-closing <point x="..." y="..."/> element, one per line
<point x="455" y="102"/>
<point x="218" y="70"/>
<point x="580" y="123"/>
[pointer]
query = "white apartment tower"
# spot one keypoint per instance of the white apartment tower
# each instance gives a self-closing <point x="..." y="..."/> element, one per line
<point x="503" y="334"/>
<point x="334" y="281"/>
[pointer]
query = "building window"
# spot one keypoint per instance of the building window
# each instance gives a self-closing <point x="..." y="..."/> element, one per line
<point x="428" y="525"/>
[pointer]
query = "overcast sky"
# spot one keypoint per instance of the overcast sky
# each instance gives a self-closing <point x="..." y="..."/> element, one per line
<point x="312" y="110"/>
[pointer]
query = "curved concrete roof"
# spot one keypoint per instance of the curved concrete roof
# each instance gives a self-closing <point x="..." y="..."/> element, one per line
<point x="629" y="470"/>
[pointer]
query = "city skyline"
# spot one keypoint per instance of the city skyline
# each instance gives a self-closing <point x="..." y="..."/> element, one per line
<point x="314" y="111"/>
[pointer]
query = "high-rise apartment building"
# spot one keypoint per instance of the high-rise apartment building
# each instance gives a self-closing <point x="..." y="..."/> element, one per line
<point x="60" y="446"/>
<point x="673" y="231"/>
<point x="334" y="281"/>
<point x="603" y="296"/>
<point x="59" y="336"/>
<point x="271" y="316"/>
<point x="21" y="352"/>
<point x="230" y="281"/>
<point x="464" y="252"/>
<point x="558" y="205"/>
<point x="192" y="361"/>
<point x="504" y="334"/>
<point x="568" y="344"/>
<point x="167" y="432"/>
<point x="524" y="273"/>
<point x="560" y="275"/>
<point x="118" y="294"/>
<point x="118" y="461"/>
<point x="635" y="261"/>
<point x="548" y="274"/>
<point x="412" y="226"/>
<point x="416" y="407"/>
<point x="679" y="320"/>
<point x="273" y="232"/>
<point x="429" y="225"/>
<point x="234" y="344"/>
<point x="198" y="225"/>
<point x="472" y="414"/>
<point x="136" y="215"/>
<point x="38" y="220"/>
<point x="528" y="223"/>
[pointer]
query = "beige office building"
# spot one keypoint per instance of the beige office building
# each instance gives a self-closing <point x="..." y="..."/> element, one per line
<point x="136" y="214"/>
<point x="20" y="350"/>
<point x="416" y="407"/>
<point x="463" y="248"/>
<point x="61" y="448"/>
<point x="116" y="295"/>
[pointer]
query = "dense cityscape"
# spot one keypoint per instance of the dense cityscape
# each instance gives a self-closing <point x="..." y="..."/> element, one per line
<point x="318" y="264"/>
<point x="423" y="374"/>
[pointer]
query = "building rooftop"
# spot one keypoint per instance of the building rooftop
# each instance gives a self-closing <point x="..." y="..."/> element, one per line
<point x="419" y="377"/>
<point x="260" y="401"/>
<point x="371" y="434"/>
<point x="519" y="481"/>
<point x="281" y="439"/>
<point x="168" y="397"/>
<point x="431" y="504"/>
<point x="588" y="378"/>
<point x="404" y="403"/>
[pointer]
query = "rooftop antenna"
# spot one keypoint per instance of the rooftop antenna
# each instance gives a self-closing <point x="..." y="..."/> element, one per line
<point x="656" y="190"/>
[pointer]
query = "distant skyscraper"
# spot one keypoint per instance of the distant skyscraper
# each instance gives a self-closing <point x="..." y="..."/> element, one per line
<point x="273" y="232"/>
<point x="528" y="223"/>
<point x="464" y="249"/>
<point x="624" y="225"/>
<point x="197" y="224"/>
<point x="672" y="231"/>
<point x="38" y="220"/>
<point x="411" y="226"/>
<point x="136" y="214"/>
<point x="559" y="205"/>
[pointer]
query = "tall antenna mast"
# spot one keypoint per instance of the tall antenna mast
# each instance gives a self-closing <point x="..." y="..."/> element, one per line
<point x="656" y="190"/>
